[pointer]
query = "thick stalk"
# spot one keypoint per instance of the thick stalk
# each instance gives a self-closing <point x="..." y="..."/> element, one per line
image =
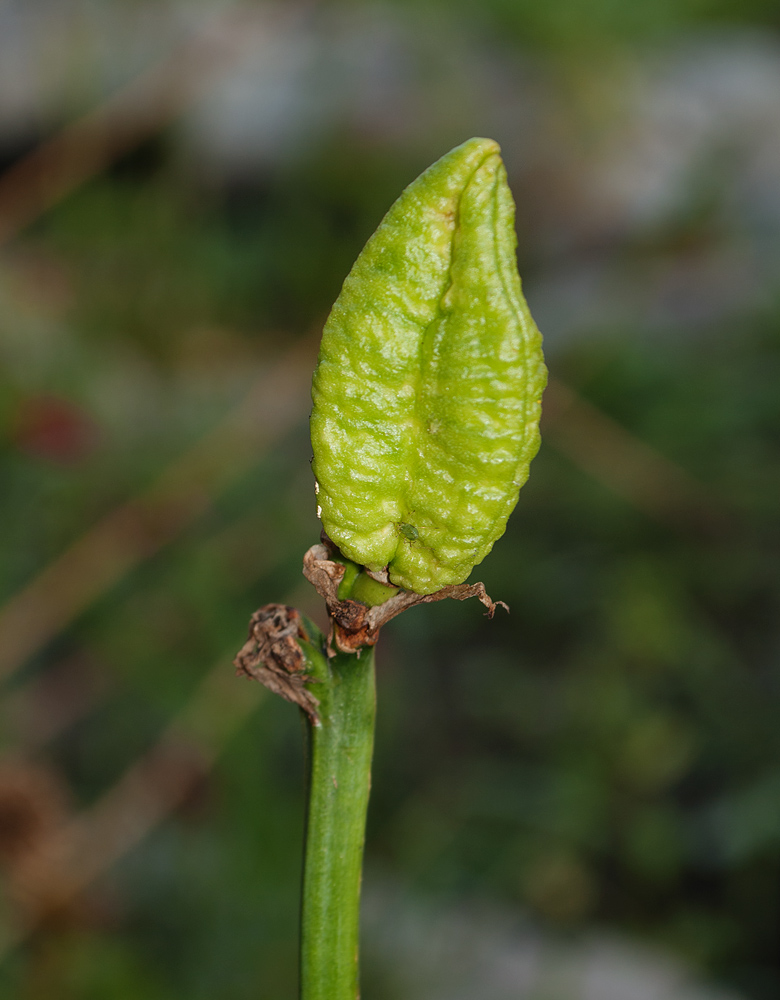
<point x="340" y="751"/>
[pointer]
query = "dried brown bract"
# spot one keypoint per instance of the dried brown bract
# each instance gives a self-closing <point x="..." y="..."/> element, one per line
<point x="273" y="656"/>
<point x="354" y="624"/>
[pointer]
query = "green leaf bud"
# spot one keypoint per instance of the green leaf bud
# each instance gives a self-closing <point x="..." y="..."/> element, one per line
<point x="428" y="387"/>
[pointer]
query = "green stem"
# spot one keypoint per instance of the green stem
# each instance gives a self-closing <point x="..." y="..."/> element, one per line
<point x="339" y="782"/>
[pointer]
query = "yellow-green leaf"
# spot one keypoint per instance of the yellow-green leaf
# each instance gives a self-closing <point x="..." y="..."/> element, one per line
<point x="428" y="386"/>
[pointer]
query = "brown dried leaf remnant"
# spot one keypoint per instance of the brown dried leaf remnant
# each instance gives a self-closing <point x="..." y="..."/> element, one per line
<point x="273" y="656"/>
<point x="272" y="653"/>
<point x="354" y="624"/>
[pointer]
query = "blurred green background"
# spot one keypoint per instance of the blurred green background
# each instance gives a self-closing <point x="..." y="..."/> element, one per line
<point x="579" y="800"/>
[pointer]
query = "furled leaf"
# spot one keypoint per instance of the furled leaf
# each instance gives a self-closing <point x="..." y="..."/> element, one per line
<point x="428" y="387"/>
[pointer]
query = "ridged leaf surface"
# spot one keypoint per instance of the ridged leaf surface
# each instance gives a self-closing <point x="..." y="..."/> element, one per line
<point x="428" y="386"/>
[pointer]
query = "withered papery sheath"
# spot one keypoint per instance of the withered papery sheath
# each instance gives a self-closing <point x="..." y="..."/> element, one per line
<point x="428" y="388"/>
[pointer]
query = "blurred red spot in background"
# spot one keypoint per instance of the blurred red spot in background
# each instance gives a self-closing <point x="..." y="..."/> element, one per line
<point x="55" y="429"/>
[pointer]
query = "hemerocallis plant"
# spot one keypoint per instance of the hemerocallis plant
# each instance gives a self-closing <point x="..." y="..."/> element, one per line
<point x="427" y="398"/>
